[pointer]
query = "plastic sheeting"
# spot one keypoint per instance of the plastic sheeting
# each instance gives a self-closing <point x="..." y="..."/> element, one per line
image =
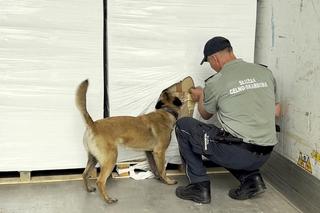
<point x="48" y="47"/>
<point x="153" y="44"/>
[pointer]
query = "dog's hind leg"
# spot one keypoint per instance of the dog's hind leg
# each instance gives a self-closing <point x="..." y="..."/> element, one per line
<point x="92" y="161"/>
<point x="159" y="156"/>
<point x="106" y="168"/>
<point x="152" y="163"/>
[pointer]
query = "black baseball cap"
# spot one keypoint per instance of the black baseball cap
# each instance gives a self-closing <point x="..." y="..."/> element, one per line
<point x="215" y="45"/>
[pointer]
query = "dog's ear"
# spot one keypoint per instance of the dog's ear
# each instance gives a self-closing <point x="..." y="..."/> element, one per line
<point x="177" y="102"/>
<point x="166" y="94"/>
<point x="159" y="104"/>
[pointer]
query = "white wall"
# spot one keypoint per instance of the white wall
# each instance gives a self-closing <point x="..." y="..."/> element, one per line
<point x="288" y="41"/>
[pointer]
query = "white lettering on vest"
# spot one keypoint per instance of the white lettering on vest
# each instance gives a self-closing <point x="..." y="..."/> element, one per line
<point x="247" y="84"/>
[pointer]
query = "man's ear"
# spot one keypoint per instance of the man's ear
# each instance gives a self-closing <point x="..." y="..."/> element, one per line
<point x="159" y="104"/>
<point x="177" y="102"/>
<point x="216" y="59"/>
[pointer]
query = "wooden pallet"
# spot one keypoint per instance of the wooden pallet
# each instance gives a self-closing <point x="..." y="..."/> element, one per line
<point x="177" y="172"/>
<point x="27" y="177"/>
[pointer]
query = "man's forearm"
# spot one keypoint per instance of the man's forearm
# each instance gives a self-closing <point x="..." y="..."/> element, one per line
<point x="204" y="114"/>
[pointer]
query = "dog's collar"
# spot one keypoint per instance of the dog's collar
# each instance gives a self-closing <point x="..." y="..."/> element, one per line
<point x="172" y="112"/>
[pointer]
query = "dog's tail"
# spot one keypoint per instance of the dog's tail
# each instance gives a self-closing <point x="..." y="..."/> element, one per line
<point x="81" y="102"/>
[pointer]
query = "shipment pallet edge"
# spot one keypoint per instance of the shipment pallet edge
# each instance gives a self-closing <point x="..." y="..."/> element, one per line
<point x="26" y="177"/>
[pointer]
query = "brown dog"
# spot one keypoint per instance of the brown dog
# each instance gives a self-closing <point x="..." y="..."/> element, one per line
<point x="150" y="132"/>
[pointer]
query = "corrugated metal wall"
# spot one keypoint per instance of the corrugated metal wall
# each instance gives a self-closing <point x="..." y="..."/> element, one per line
<point x="288" y="41"/>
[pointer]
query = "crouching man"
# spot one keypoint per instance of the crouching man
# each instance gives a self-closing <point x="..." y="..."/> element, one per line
<point x="244" y="97"/>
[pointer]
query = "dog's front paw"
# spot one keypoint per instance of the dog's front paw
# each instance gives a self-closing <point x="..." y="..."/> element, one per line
<point x="111" y="200"/>
<point x="91" y="189"/>
<point x="171" y="181"/>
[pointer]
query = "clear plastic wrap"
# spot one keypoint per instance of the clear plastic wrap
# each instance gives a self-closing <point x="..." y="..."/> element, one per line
<point x="154" y="44"/>
<point x="48" y="47"/>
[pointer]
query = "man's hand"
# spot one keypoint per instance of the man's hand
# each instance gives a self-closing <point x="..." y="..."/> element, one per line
<point x="197" y="96"/>
<point x="196" y="93"/>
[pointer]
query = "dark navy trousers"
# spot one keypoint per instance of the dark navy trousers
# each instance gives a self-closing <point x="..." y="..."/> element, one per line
<point x="195" y="139"/>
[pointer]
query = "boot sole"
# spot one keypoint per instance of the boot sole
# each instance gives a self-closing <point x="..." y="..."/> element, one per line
<point x="248" y="196"/>
<point x="194" y="199"/>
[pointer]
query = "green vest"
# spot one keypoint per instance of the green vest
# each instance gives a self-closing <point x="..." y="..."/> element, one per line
<point x="244" y="96"/>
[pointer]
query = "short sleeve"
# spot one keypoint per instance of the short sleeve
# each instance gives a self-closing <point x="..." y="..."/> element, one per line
<point x="210" y="101"/>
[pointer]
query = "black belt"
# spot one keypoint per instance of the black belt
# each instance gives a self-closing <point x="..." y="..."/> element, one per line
<point x="256" y="148"/>
<point x="225" y="137"/>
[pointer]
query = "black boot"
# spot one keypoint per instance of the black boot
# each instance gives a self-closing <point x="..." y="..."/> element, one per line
<point x="251" y="187"/>
<point x="197" y="192"/>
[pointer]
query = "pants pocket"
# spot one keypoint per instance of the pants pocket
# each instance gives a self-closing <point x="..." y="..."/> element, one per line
<point x="205" y="134"/>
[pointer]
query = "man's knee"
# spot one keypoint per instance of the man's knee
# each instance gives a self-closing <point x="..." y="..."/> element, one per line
<point x="183" y="130"/>
<point x="185" y="123"/>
